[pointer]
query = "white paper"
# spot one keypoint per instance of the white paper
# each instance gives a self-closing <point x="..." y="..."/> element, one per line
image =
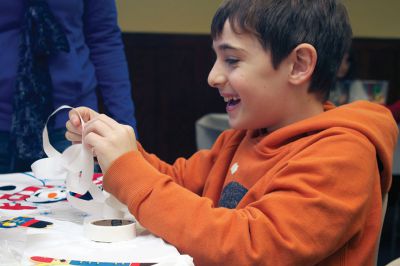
<point x="76" y="166"/>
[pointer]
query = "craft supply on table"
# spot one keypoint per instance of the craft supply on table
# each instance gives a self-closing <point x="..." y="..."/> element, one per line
<point x="24" y="221"/>
<point x="75" y="165"/>
<point x="45" y="261"/>
<point x="110" y="230"/>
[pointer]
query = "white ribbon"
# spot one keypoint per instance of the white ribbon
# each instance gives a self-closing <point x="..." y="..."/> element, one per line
<point x="76" y="166"/>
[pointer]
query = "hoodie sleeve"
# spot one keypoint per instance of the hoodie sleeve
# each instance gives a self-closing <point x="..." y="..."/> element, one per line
<point x="313" y="205"/>
<point x="190" y="173"/>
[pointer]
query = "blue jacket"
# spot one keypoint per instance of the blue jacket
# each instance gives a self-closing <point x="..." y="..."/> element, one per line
<point x="96" y="59"/>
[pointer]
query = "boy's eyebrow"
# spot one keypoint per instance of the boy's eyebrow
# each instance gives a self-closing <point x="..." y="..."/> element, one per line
<point x="226" y="46"/>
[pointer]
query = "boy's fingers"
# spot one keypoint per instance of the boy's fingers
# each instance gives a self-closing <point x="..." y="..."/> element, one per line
<point x="75" y="138"/>
<point x="76" y="114"/>
<point x="97" y="126"/>
<point x="91" y="140"/>
<point x="105" y="119"/>
<point x="74" y="118"/>
<point x="72" y="128"/>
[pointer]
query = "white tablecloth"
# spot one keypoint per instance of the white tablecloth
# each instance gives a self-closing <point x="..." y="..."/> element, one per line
<point x="65" y="239"/>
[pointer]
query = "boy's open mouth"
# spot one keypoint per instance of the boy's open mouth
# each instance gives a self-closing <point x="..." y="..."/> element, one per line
<point x="233" y="102"/>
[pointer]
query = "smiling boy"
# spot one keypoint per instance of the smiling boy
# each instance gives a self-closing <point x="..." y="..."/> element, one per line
<point x="297" y="181"/>
<point x="247" y="80"/>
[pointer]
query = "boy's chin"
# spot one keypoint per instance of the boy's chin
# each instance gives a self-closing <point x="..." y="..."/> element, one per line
<point x="240" y="122"/>
<point x="236" y="126"/>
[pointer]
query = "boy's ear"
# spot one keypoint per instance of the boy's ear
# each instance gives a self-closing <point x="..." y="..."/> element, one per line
<point x="304" y="60"/>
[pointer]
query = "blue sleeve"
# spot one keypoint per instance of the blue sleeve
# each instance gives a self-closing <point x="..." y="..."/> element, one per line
<point x="107" y="54"/>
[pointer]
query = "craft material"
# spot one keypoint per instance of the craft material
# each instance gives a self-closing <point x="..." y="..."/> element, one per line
<point x="75" y="165"/>
<point x="45" y="261"/>
<point x="7" y="188"/>
<point x="16" y="206"/>
<point x="110" y="230"/>
<point x="37" y="194"/>
<point x="24" y="221"/>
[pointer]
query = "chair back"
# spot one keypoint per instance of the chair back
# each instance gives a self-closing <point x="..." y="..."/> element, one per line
<point x="208" y="128"/>
<point x="384" y="208"/>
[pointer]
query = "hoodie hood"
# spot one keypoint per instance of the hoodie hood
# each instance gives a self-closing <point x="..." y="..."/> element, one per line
<point x="372" y="120"/>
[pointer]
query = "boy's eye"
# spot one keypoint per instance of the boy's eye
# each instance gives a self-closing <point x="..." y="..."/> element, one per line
<point x="231" y="61"/>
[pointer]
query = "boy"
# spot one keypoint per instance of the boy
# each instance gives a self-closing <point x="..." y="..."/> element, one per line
<point x="296" y="182"/>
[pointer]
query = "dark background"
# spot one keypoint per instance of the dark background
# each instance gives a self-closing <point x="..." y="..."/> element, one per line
<point x="169" y="79"/>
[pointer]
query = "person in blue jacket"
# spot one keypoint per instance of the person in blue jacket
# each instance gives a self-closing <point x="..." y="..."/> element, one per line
<point x="53" y="53"/>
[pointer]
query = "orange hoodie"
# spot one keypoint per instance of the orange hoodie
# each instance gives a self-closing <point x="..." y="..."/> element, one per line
<point x="306" y="194"/>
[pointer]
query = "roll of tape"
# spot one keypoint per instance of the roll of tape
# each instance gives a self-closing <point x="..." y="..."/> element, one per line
<point x="110" y="230"/>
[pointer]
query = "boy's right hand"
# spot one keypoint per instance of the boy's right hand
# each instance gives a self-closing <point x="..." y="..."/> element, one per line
<point x="74" y="125"/>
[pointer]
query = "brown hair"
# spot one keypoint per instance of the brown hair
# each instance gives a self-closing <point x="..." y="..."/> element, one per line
<point x="281" y="25"/>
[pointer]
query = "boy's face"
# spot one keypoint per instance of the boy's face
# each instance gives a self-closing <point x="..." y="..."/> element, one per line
<point x="255" y="92"/>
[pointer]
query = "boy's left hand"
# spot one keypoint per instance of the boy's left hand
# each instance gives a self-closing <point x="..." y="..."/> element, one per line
<point x="108" y="139"/>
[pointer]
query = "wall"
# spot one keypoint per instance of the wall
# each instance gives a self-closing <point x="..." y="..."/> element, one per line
<point x="370" y="18"/>
<point x="374" y="19"/>
<point x="166" y="16"/>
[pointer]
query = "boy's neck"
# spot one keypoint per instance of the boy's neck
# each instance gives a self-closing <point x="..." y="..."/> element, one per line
<point x="300" y="110"/>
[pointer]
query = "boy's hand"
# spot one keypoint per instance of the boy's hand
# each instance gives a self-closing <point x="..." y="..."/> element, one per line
<point x="108" y="139"/>
<point x="74" y="126"/>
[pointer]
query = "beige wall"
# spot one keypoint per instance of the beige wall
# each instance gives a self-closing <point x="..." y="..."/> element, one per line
<point x="374" y="18"/>
<point x="370" y="18"/>
<point x="166" y="16"/>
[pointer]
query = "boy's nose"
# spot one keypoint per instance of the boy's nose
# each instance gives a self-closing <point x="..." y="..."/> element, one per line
<point x="216" y="78"/>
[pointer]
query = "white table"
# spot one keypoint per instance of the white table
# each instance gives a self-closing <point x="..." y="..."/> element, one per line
<point x="65" y="238"/>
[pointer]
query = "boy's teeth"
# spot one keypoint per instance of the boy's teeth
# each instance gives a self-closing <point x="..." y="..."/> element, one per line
<point x="227" y="99"/>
